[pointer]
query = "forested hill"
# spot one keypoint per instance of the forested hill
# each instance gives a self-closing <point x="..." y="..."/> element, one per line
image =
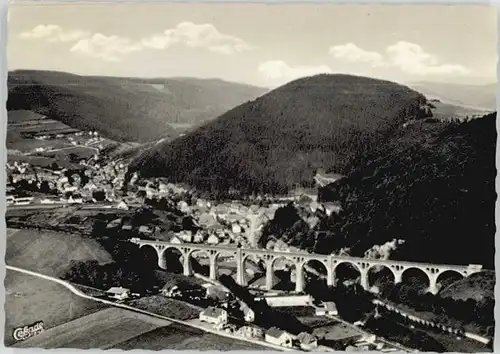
<point x="432" y="186"/>
<point x="125" y="109"/>
<point x="280" y="139"/>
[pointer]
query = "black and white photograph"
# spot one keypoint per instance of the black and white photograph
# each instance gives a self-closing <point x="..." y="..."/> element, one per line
<point x="250" y="176"/>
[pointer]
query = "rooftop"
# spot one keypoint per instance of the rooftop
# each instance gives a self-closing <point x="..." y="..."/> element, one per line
<point x="117" y="290"/>
<point x="306" y="338"/>
<point x="213" y="312"/>
<point x="275" y="332"/>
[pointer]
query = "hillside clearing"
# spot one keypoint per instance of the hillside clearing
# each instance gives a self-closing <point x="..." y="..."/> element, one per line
<point x="49" y="252"/>
<point x="30" y="299"/>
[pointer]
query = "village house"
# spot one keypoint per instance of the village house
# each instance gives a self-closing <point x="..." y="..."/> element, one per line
<point x="214" y="291"/>
<point x="170" y="290"/>
<point x="114" y="223"/>
<point x="10" y="199"/>
<point x="248" y="313"/>
<point x="313" y="207"/>
<point x="214" y="315"/>
<point x="250" y="332"/>
<point x="307" y="341"/>
<point x="122" y="205"/>
<point x="201" y="204"/>
<point x="171" y="237"/>
<point x="213" y="240"/>
<point x="236" y="229"/>
<point x="331" y="208"/>
<point x="22" y="200"/>
<point x="198" y="237"/>
<point x="279" y="337"/>
<point x="48" y="201"/>
<point x="118" y="293"/>
<point x="75" y="200"/>
<point x="217" y="229"/>
<point x="281" y="246"/>
<point x="146" y="230"/>
<point x="127" y="225"/>
<point x="366" y="341"/>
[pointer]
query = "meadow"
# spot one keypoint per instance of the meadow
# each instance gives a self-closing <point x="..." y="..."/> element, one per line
<point x="51" y="253"/>
<point x="30" y="299"/>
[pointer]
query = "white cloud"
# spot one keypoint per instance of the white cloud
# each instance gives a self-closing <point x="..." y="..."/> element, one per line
<point x="113" y="48"/>
<point x="278" y="70"/>
<point x="412" y="59"/>
<point x="53" y="33"/>
<point x="158" y="42"/>
<point x="192" y="35"/>
<point x="353" y="53"/>
<point x="108" y="48"/>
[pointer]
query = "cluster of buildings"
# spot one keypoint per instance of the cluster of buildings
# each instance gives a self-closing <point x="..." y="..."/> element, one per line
<point x="23" y="179"/>
<point x="76" y="186"/>
<point x="18" y="200"/>
<point x="90" y="139"/>
<point x="219" y="319"/>
<point x="232" y="222"/>
<point x="108" y="179"/>
<point x="220" y="223"/>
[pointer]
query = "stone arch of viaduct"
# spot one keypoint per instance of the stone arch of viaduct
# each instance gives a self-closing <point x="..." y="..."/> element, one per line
<point x="299" y="260"/>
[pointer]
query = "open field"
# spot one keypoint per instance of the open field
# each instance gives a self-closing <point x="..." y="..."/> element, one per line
<point x="39" y="215"/>
<point x="101" y="329"/>
<point x="179" y="337"/>
<point x="11" y="232"/>
<point x="166" y="307"/>
<point x="43" y="127"/>
<point x="24" y="126"/>
<point x="43" y="161"/>
<point x="50" y="253"/>
<point x="84" y="324"/>
<point x="21" y="115"/>
<point x="27" y="145"/>
<point x="30" y="299"/>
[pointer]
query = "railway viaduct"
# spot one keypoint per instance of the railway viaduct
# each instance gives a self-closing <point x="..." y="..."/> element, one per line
<point x="299" y="260"/>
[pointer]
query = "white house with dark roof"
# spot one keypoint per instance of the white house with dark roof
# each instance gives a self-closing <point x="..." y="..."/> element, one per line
<point x="279" y="337"/>
<point x="307" y="341"/>
<point x="214" y="315"/>
<point x="328" y="308"/>
<point x="118" y="293"/>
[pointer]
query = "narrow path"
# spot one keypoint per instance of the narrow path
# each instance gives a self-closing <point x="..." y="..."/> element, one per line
<point x="78" y="292"/>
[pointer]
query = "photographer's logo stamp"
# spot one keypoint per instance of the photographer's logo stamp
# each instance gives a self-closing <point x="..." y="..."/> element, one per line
<point x="25" y="332"/>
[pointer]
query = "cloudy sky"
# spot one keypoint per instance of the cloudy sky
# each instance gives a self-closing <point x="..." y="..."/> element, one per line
<point x="258" y="44"/>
